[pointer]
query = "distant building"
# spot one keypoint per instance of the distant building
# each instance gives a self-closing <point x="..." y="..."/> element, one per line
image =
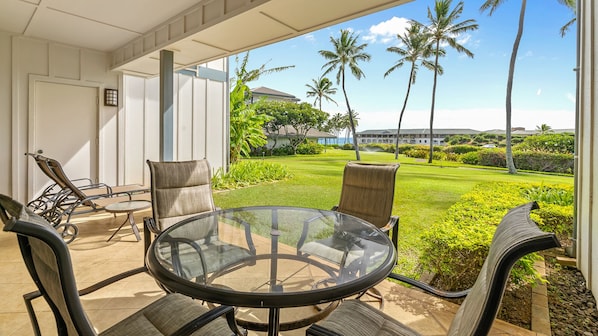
<point x="271" y="94"/>
<point x="415" y="136"/>
<point x="421" y="136"/>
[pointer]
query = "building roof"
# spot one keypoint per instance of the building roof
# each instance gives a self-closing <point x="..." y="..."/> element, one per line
<point x="413" y="131"/>
<point x="268" y="92"/>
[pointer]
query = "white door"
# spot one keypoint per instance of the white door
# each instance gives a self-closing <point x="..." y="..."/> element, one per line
<point x="64" y="128"/>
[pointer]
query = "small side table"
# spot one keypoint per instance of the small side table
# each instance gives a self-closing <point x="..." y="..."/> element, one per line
<point x="129" y="207"/>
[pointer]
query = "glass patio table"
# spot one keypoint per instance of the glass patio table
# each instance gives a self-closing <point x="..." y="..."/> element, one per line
<point x="277" y="272"/>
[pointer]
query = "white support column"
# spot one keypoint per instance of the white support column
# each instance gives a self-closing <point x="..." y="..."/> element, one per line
<point x="587" y="184"/>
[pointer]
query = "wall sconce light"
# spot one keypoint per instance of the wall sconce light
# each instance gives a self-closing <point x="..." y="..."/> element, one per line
<point x="110" y="97"/>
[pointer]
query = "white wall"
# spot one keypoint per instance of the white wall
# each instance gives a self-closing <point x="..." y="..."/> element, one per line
<point x="200" y="119"/>
<point x="128" y="134"/>
<point x="587" y="184"/>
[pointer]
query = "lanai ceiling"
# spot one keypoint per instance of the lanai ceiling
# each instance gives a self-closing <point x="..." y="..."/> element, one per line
<point x="134" y="31"/>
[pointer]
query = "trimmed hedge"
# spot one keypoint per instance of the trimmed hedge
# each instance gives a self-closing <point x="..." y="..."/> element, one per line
<point x="543" y="161"/>
<point x="454" y="248"/>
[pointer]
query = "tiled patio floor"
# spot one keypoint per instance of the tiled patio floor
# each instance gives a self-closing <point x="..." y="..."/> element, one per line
<point x="95" y="259"/>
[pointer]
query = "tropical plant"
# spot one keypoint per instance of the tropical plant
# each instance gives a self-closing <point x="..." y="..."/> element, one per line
<point x="543" y="129"/>
<point x="243" y="75"/>
<point x="415" y="47"/>
<point x="347" y="53"/>
<point x="571" y="4"/>
<point x="443" y="29"/>
<point x="321" y="88"/>
<point x="246" y="126"/>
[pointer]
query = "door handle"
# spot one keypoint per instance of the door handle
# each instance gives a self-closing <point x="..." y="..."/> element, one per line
<point x="40" y="151"/>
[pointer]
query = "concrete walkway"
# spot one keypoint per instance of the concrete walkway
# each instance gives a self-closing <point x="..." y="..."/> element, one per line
<point x="95" y="259"/>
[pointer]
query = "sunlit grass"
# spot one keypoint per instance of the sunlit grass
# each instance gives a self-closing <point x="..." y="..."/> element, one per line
<point x="423" y="192"/>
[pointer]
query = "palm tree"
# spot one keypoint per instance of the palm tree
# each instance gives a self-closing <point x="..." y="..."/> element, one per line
<point x="571" y="4"/>
<point x="543" y="129"/>
<point x="243" y="75"/>
<point x="417" y="48"/>
<point x="444" y="30"/>
<point x="491" y="6"/>
<point x="347" y="53"/>
<point x="321" y="88"/>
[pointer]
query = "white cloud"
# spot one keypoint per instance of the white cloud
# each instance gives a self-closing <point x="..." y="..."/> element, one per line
<point x="310" y="37"/>
<point x="385" y="32"/>
<point x="539" y="92"/>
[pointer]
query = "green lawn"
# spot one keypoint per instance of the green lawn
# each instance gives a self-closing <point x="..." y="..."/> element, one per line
<point x="422" y="194"/>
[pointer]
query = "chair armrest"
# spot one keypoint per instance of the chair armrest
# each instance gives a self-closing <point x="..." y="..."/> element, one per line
<point x="429" y="289"/>
<point x="28" y="297"/>
<point x="208" y="317"/>
<point x="112" y="280"/>
<point x="247" y="228"/>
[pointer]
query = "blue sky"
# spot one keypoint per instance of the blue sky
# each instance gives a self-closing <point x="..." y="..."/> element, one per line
<point x="472" y="91"/>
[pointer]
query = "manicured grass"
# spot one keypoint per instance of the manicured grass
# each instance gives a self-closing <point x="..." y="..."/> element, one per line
<point x="422" y="194"/>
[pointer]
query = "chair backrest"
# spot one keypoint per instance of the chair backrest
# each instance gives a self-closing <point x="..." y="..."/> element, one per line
<point x="49" y="263"/>
<point x="368" y="191"/>
<point x="180" y="189"/>
<point x="66" y="183"/>
<point x="515" y="236"/>
<point x="42" y="163"/>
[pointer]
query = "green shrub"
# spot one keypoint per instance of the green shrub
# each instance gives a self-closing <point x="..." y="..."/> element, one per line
<point x="283" y="150"/>
<point x="249" y="172"/>
<point x="310" y="147"/>
<point x="348" y="146"/>
<point x="562" y="143"/>
<point x="455" y="247"/>
<point x="544" y="161"/>
<point x="472" y="158"/>
<point x="378" y="147"/>
<point x="461" y="149"/>
<point x="417" y="153"/>
<point x="405" y="147"/>
<point x="492" y="158"/>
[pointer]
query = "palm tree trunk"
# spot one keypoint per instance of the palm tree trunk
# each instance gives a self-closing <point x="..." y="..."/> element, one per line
<point x="351" y="121"/>
<point x="433" y="102"/>
<point x="509" y="148"/>
<point x="403" y="110"/>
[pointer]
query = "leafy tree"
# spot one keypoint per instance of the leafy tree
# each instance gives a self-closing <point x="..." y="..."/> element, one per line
<point x="417" y="49"/>
<point x="291" y="119"/>
<point x="444" y="30"/>
<point x="245" y="124"/>
<point x="542" y="129"/>
<point x="346" y="53"/>
<point x="321" y="88"/>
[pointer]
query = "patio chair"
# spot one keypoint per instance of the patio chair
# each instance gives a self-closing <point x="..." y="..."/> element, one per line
<point x="48" y="261"/>
<point x="79" y="200"/>
<point x="367" y="193"/>
<point x="52" y="192"/>
<point x="516" y="236"/>
<point x="183" y="189"/>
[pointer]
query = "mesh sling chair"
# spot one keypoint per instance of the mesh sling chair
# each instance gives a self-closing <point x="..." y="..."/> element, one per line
<point x="515" y="236"/>
<point x="367" y="193"/>
<point x="180" y="190"/>
<point x="48" y="261"/>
